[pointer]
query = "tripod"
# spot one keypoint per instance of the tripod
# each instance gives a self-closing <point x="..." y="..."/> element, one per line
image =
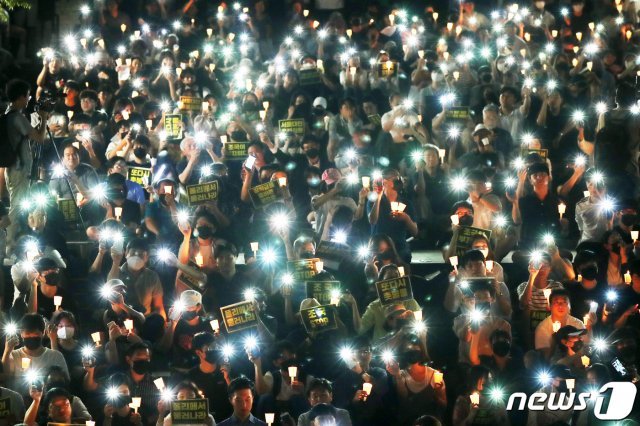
<point x="34" y="175"/>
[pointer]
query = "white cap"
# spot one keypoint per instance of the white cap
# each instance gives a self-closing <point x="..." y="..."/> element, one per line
<point x="190" y="298"/>
<point x="320" y="101"/>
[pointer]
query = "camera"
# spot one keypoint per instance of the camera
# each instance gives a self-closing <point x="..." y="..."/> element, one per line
<point x="46" y="103"/>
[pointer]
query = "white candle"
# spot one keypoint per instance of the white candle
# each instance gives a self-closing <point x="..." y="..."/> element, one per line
<point x="627" y="278"/>
<point x="556" y="326"/>
<point x="57" y="300"/>
<point x="401" y="270"/>
<point x="215" y="325"/>
<point x="562" y="207"/>
<point x="475" y="398"/>
<point x="547" y="293"/>
<point x="254" y="248"/>
<point x="96" y="337"/>
<point x="571" y="383"/>
<point x="128" y="324"/>
<point x="454" y="261"/>
<point x="118" y="212"/>
<point x="136" y="401"/>
<point x="455" y="219"/>
<point x="366" y="181"/>
<point x="293" y="371"/>
<point x="366" y="387"/>
<point x="26" y="363"/>
<point x="585" y="361"/>
<point x="269" y="418"/>
<point x="159" y="383"/>
<point x="168" y="189"/>
<point x="585" y="320"/>
<point x="265" y="105"/>
<point x="441" y="153"/>
<point x="417" y="315"/>
<point x="90" y="423"/>
<point x="199" y="260"/>
<point x="282" y="182"/>
<point x="319" y="266"/>
<point x="585" y="193"/>
<point x="634" y="235"/>
<point x="437" y="377"/>
<point x="489" y="264"/>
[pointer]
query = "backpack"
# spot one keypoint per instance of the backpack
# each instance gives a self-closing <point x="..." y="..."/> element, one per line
<point x="8" y="154"/>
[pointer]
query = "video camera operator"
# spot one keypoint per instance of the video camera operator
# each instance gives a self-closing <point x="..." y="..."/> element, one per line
<point x="17" y="157"/>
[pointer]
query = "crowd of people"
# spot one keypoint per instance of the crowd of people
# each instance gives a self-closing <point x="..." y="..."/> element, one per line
<point x="212" y="213"/>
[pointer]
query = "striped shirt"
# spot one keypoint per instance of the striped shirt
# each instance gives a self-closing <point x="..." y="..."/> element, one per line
<point x="538" y="300"/>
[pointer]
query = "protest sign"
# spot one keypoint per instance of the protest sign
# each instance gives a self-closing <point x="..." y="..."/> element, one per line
<point x="202" y="192"/>
<point x="190" y="411"/>
<point x="319" y="319"/>
<point x="69" y="210"/>
<point x="544" y="153"/>
<point x="140" y="175"/>
<point x="465" y="235"/>
<point x="309" y="77"/>
<point x="265" y="194"/>
<point x="302" y="269"/>
<point x="239" y="316"/>
<point x="235" y="151"/>
<point x="394" y="290"/>
<point x="387" y="69"/>
<point x="173" y="126"/>
<point x="322" y="290"/>
<point x="457" y="115"/>
<point x="190" y="103"/>
<point x="294" y="125"/>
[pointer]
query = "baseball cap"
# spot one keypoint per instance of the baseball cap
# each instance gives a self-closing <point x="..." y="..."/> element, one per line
<point x="309" y="303"/>
<point x="190" y="298"/>
<point x="395" y="309"/>
<point x="538" y="168"/>
<point x="570" y="331"/>
<point x="331" y="175"/>
<point x="320" y="101"/>
<point x="479" y="127"/>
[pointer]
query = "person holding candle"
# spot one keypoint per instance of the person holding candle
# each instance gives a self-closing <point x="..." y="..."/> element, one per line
<point x="592" y="221"/>
<point x="418" y="391"/>
<point x="320" y="391"/>
<point x="32" y="329"/>
<point x="204" y="229"/>
<point x="56" y="408"/>
<point x="589" y="288"/>
<point x="335" y="196"/>
<point x="475" y="401"/>
<point x="211" y="375"/>
<point x="618" y="257"/>
<point x="342" y="127"/>
<point x="625" y="313"/>
<point x="117" y="206"/>
<point x="118" y="410"/>
<point x="241" y="394"/>
<point x="568" y="349"/>
<point x="81" y="177"/>
<point x="62" y="335"/>
<point x="560" y="305"/>
<point x="135" y="192"/>
<point x="557" y="383"/>
<point x="143" y="283"/>
<point x="161" y="215"/>
<point x="396" y="224"/>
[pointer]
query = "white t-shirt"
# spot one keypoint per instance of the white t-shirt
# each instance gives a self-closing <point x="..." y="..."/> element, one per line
<point x="544" y="331"/>
<point x="286" y="391"/>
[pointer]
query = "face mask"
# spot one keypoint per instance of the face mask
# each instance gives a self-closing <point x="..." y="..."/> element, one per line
<point x="123" y="134"/>
<point x="204" y="232"/>
<point x="115" y="194"/>
<point x="250" y="106"/>
<point x="413" y="356"/>
<point x="466" y="220"/>
<point x="32" y="343"/>
<point x="485" y="252"/>
<point x="66" y="332"/>
<point x="590" y="272"/>
<point x="577" y="345"/>
<point x="539" y="5"/>
<point x="189" y="315"/>
<point x="307" y="255"/>
<point x="135" y="263"/>
<point x="211" y="356"/>
<point x="53" y="278"/>
<point x="141" y="366"/>
<point x="140" y="152"/>
<point x="501" y="348"/>
<point x="615" y="248"/>
<point x="312" y="153"/>
<point x="628" y="219"/>
<point x="239" y="136"/>
<point x="385" y="255"/>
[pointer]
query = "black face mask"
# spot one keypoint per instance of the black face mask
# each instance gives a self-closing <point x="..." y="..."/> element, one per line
<point x="204" y="232"/>
<point x="123" y="134"/>
<point x="577" y="345"/>
<point x="615" y="248"/>
<point x="385" y="255"/>
<point x="312" y="153"/>
<point x="32" y="343"/>
<point x="562" y="387"/>
<point x="501" y="348"/>
<point x="412" y="356"/>
<point x="211" y="356"/>
<point x="250" y="107"/>
<point x="116" y="194"/>
<point x="140" y="152"/>
<point x="590" y="272"/>
<point x="141" y="366"/>
<point x="189" y="315"/>
<point x="121" y="401"/>
<point x="239" y="136"/>
<point x="163" y="199"/>
<point x="53" y="278"/>
<point x="628" y="219"/>
<point x="466" y="220"/>
<point x="307" y="255"/>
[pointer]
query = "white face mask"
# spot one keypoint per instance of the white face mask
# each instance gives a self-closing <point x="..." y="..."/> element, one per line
<point x="539" y="5"/>
<point x="135" y="263"/>
<point x="66" y="332"/>
<point x="485" y="252"/>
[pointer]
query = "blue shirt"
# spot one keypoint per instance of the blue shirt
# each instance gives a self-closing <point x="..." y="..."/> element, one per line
<point x="233" y="420"/>
<point x="161" y="215"/>
<point x="135" y="192"/>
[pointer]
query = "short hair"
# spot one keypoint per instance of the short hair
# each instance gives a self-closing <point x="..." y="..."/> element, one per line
<point x="116" y="179"/>
<point x="473" y="255"/>
<point x="281" y="346"/>
<point x="476" y="176"/>
<point x="188" y="384"/>
<point x="138" y="244"/>
<point x="559" y="292"/>
<point x="16" y="89"/>
<point x="499" y="334"/>
<point x="348" y="102"/>
<point x="56" y="393"/>
<point x="89" y="94"/>
<point x="204" y="338"/>
<point x="80" y="118"/>
<point x="118" y="379"/>
<point x="70" y="144"/>
<point x="111" y="163"/>
<point x="138" y="346"/>
<point x="319" y="383"/>
<point x="60" y="315"/>
<point x="464" y="204"/>
<point x="239" y="383"/>
<point x="32" y="322"/>
<point x="510" y="89"/>
<point x="221" y="249"/>
<point x="142" y="140"/>
<point x="491" y="108"/>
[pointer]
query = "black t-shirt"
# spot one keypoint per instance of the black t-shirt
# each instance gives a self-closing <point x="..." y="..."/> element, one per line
<point x="182" y="354"/>
<point x="214" y="387"/>
<point x="581" y="298"/>
<point x="538" y="217"/>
